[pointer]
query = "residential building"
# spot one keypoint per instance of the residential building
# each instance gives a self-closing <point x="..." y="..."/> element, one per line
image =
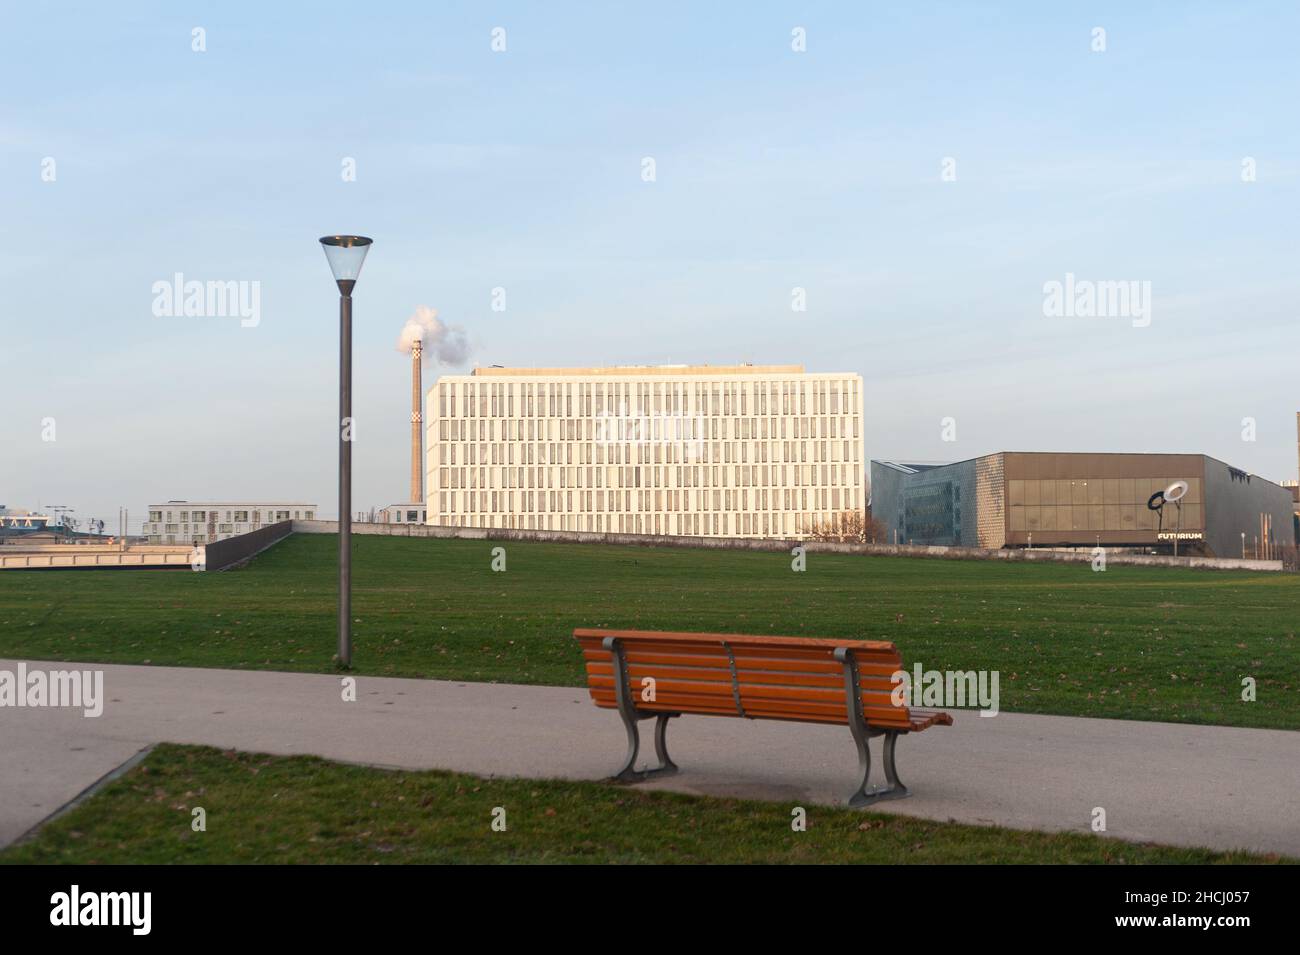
<point x="195" y="522"/>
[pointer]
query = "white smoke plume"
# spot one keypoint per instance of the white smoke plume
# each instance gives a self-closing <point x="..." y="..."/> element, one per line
<point x="443" y="344"/>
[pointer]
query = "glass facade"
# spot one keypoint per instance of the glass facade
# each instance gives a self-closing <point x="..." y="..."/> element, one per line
<point x="933" y="513"/>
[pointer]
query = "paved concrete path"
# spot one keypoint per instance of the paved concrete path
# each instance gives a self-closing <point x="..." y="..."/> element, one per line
<point x="1182" y="785"/>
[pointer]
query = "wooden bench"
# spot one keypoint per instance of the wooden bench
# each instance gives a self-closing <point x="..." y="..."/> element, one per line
<point x="644" y="674"/>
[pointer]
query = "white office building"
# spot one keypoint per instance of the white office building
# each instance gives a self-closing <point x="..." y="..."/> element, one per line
<point x="195" y="522"/>
<point x="716" y="451"/>
<point x="413" y="513"/>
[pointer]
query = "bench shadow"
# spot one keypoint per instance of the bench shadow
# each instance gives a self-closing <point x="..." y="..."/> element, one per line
<point x="734" y="787"/>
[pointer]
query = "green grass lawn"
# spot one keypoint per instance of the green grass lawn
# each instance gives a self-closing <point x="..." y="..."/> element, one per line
<point x="1149" y="643"/>
<point x="271" y="809"/>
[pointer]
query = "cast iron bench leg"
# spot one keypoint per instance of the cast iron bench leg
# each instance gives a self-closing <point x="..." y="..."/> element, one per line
<point x="862" y="795"/>
<point x="666" y="765"/>
<point x="865" y="794"/>
<point x="629" y="773"/>
<point x="896" y="789"/>
<point x="631" y="718"/>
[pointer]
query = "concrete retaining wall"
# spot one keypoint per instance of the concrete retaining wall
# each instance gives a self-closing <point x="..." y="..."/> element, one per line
<point x="221" y="555"/>
<point x="715" y="543"/>
<point x="218" y="555"/>
<point x="13" y="557"/>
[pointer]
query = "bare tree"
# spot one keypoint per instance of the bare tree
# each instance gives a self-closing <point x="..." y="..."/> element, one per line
<point x="877" y="531"/>
<point x="836" y="528"/>
<point x="847" y="527"/>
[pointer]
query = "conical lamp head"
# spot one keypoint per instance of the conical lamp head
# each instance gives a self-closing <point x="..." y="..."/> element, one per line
<point x="345" y="253"/>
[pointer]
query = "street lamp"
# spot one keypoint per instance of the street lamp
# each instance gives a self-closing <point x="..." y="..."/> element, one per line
<point x="345" y="254"/>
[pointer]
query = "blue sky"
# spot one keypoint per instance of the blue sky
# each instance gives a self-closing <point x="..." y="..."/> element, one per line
<point x="522" y="170"/>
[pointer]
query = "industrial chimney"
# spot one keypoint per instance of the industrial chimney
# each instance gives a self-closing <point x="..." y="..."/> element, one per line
<point x="417" y="465"/>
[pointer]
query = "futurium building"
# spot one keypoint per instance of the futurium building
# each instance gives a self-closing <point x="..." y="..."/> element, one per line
<point x="1048" y="499"/>
<point x="716" y="451"/>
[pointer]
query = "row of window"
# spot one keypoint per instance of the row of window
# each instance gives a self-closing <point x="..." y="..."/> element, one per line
<point x="696" y="525"/>
<point x="185" y="529"/>
<point x="647" y="430"/>
<point x="591" y="399"/>
<point x="744" y="475"/>
<point x="231" y="516"/>
<point x="497" y="502"/>
<point x="730" y="452"/>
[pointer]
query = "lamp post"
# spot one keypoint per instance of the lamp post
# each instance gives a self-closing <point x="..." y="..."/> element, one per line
<point x="1178" y="529"/>
<point x="345" y="253"/>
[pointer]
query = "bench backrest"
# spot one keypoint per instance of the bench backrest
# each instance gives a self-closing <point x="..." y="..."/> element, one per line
<point x="785" y="678"/>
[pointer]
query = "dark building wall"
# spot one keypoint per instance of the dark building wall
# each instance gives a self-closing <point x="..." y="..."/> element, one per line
<point x="1235" y="501"/>
<point x="1073" y="499"/>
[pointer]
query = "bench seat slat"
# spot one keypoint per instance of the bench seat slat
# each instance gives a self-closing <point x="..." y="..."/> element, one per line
<point x="784" y="701"/>
<point x="672" y="703"/>
<point x="826" y="664"/>
<point x="665" y="676"/>
<point x="922" y="719"/>
<point x="868" y="684"/>
<point x="811" y="664"/>
<point x="865" y="651"/>
<point x="747" y="681"/>
<point x="822" y="676"/>
<point x="879" y="666"/>
<point x="765" y="678"/>
<point x="820" y="662"/>
<point x="736" y="639"/>
<point x="673" y="660"/>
